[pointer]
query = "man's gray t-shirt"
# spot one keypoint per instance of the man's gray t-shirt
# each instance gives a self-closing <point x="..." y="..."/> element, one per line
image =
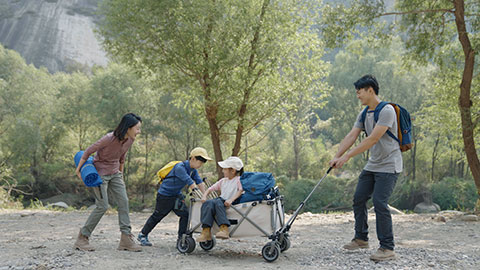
<point x="385" y="155"/>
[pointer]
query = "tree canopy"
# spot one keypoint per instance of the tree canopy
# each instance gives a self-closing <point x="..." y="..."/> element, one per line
<point x="226" y="57"/>
<point x="428" y="26"/>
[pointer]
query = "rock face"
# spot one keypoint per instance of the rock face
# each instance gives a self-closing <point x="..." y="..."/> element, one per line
<point x="426" y="208"/>
<point x="55" y="34"/>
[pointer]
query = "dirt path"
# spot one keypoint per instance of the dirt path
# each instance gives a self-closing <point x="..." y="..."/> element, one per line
<point x="43" y="240"/>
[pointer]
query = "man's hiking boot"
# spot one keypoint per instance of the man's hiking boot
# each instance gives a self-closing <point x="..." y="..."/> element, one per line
<point x="82" y="243"/>
<point x="127" y="242"/>
<point x="206" y="235"/>
<point x="356" y="244"/>
<point x="223" y="233"/>
<point x="143" y="239"/>
<point x="383" y="254"/>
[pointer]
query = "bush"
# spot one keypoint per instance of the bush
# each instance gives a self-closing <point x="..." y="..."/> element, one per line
<point x="454" y="193"/>
<point x="7" y="201"/>
<point x="333" y="192"/>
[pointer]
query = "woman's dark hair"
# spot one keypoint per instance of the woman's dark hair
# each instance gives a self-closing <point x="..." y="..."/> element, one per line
<point x="240" y="172"/>
<point x="128" y="120"/>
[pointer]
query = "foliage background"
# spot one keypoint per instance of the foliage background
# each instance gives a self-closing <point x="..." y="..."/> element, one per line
<point x="45" y="118"/>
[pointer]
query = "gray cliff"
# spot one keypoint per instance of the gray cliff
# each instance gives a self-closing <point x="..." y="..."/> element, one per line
<point x="55" y="34"/>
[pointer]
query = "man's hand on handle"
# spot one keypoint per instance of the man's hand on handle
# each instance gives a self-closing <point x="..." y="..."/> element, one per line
<point x="337" y="163"/>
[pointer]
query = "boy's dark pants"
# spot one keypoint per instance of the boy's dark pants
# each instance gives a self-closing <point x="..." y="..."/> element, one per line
<point x="164" y="205"/>
<point x="381" y="186"/>
<point x="214" y="209"/>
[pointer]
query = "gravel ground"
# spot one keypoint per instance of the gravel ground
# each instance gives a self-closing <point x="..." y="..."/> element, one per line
<point x="44" y="239"/>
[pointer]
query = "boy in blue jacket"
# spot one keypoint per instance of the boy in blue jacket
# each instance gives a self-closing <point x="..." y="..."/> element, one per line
<point x="170" y="197"/>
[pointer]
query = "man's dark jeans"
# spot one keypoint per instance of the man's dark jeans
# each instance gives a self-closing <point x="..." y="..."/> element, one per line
<point x="164" y="205"/>
<point x="380" y="185"/>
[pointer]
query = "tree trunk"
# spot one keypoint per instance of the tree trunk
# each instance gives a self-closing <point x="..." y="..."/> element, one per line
<point x="414" y="155"/>
<point x="464" y="100"/>
<point x="461" y="169"/>
<point x="248" y="85"/>
<point x="245" y="162"/>
<point x="145" y="175"/>
<point x="211" y="110"/>
<point x="215" y="135"/>
<point x="80" y="139"/>
<point x="434" y="158"/>
<point x="211" y="105"/>
<point x="296" y="153"/>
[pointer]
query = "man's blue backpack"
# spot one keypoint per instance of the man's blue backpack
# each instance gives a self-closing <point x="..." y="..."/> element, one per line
<point x="404" y="124"/>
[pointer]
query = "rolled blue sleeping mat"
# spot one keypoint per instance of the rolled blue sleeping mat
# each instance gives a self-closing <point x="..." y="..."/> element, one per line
<point x="88" y="171"/>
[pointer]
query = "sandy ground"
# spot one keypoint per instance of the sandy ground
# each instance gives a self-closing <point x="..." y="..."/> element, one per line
<point x="43" y="240"/>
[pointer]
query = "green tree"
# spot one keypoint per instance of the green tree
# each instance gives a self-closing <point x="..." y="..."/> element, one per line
<point x="304" y="79"/>
<point x="227" y="53"/>
<point x="77" y="109"/>
<point x="399" y="83"/>
<point x="114" y="92"/>
<point x="32" y="134"/>
<point x="428" y="26"/>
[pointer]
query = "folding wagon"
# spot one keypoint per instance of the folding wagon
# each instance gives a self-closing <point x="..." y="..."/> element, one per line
<point x="256" y="218"/>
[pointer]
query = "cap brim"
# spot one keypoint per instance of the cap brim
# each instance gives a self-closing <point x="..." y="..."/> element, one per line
<point x="223" y="165"/>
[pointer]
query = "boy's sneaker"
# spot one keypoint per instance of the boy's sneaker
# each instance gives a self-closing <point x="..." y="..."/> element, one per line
<point x="383" y="254"/>
<point x="356" y="244"/>
<point x="143" y="239"/>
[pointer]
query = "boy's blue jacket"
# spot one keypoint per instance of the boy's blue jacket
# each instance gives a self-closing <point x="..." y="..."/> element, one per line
<point x="180" y="176"/>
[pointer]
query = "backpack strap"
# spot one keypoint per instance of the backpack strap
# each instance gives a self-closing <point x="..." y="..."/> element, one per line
<point x="376" y="113"/>
<point x="363" y="116"/>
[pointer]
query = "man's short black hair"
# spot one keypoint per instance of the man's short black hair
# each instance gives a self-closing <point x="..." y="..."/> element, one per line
<point x="366" y="81"/>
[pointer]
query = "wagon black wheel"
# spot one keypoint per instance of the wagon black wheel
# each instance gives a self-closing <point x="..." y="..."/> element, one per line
<point x="208" y="245"/>
<point x="284" y="243"/>
<point x="270" y="252"/>
<point x="186" y="246"/>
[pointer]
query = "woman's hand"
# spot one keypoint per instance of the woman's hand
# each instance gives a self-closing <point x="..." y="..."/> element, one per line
<point x="203" y="199"/>
<point x="227" y="203"/>
<point x="79" y="166"/>
<point x="77" y="172"/>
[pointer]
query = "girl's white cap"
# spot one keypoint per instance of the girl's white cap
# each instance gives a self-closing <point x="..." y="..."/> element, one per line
<point x="231" y="162"/>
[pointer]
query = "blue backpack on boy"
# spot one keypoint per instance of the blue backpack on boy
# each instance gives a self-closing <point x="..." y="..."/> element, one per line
<point x="404" y="124"/>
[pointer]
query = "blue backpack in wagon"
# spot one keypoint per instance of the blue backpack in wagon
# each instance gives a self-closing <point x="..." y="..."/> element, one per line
<point x="257" y="186"/>
<point x="404" y="124"/>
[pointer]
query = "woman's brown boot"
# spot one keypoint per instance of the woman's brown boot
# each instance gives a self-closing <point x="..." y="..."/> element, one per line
<point x="127" y="242"/>
<point x="82" y="243"/>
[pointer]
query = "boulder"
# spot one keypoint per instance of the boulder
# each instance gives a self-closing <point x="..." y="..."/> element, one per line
<point x="424" y="207"/>
<point x="58" y="205"/>
<point x="469" y="218"/>
<point x="74" y="200"/>
<point x="451" y="213"/>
